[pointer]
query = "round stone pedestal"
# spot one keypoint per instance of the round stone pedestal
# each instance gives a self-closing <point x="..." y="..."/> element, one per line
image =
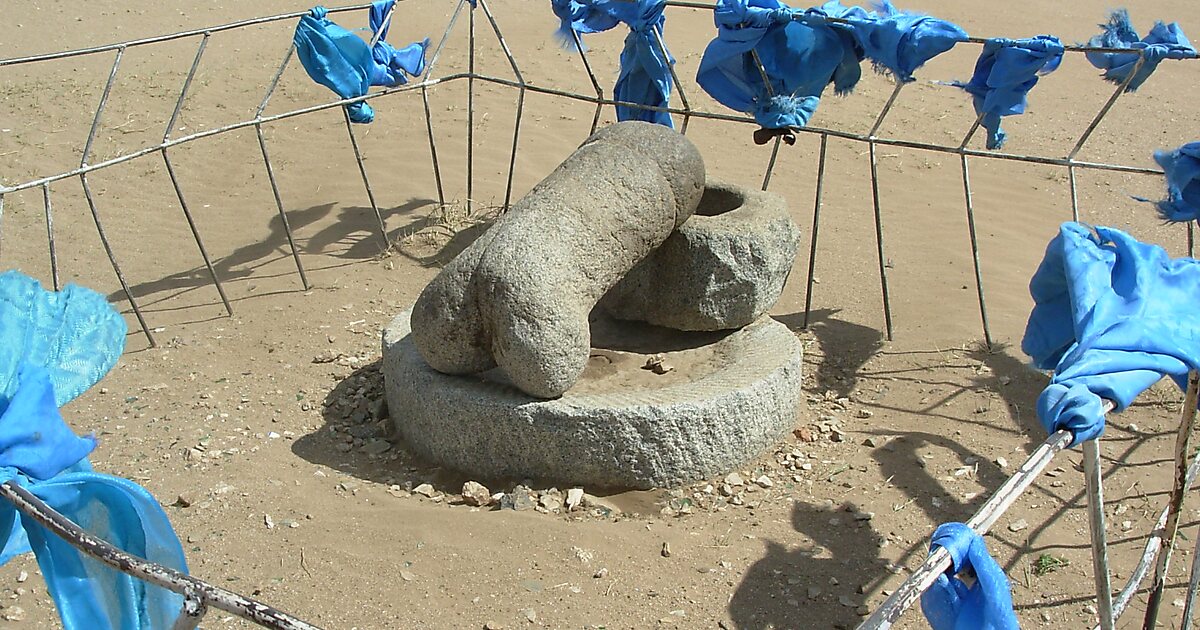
<point x="723" y="399"/>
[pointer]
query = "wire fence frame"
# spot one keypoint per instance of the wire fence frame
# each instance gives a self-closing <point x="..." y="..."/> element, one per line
<point x="1159" y="544"/>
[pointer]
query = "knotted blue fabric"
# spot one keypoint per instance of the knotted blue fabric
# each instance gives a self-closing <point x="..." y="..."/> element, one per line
<point x="1005" y="72"/>
<point x="341" y="61"/>
<point x="1164" y="41"/>
<point x="53" y="346"/>
<point x="645" y="76"/>
<point x="801" y="54"/>
<point x="898" y="42"/>
<point x="950" y="604"/>
<point x="1111" y="317"/>
<point x="1182" y="168"/>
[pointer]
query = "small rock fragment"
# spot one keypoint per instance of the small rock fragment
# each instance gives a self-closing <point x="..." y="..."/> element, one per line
<point x="574" y="498"/>
<point x="764" y="482"/>
<point x="185" y="500"/>
<point x="476" y="494"/>
<point x="1018" y="525"/>
<point x="666" y="550"/>
<point x="425" y="490"/>
<point x="734" y="479"/>
<point x="268" y="521"/>
<point x="601" y="574"/>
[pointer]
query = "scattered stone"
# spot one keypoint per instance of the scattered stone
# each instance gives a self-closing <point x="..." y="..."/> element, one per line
<point x="876" y="441"/>
<point x="1002" y="463"/>
<point x="734" y="479"/>
<point x="574" y="498"/>
<point x="1018" y="525"/>
<point x="666" y="550"/>
<point x="185" y="500"/>
<point x="530" y="614"/>
<point x="846" y="601"/>
<point x="583" y="555"/>
<point x="764" y="482"/>
<point x="476" y="494"/>
<point x="22" y="576"/>
<point x="658" y="364"/>
<point x="601" y="574"/>
<point x="268" y="522"/>
<point x="552" y="501"/>
<point x="865" y="413"/>
<point x="520" y="499"/>
<point x="14" y="613"/>
<point x="804" y="435"/>
<point x="328" y="355"/>
<point x="376" y="447"/>
<point x="426" y="490"/>
<point x="407" y="576"/>
<point x="492" y="626"/>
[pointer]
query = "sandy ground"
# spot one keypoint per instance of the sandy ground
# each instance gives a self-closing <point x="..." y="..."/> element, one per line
<point x="238" y="414"/>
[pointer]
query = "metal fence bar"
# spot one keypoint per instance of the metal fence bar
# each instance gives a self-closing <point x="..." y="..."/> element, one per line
<point x="939" y="561"/>
<point x="156" y="574"/>
<point x="1150" y="552"/>
<point x="512" y="160"/>
<point x="968" y="197"/>
<point x="816" y="224"/>
<point x="1094" y="480"/>
<point x="675" y="79"/>
<point x="1193" y="587"/>
<point x="192" y="613"/>
<point x="91" y="202"/>
<point x="875" y="203"/>
<point x="362" y="170"/>
<point x="262" y="145"/>
<point x="1183" y="441"/>
<point x="470" y="109"/>
<point x="587" y="66"/>
<point x="1" y="219"/>
<point x="771" y="163"/>
<point x="183" y="205"/>
<point x="50" y="234"/>
<point x="424" y="85"/>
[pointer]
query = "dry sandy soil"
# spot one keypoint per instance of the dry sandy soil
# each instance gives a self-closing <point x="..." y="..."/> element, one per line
<point x="244" y="415"/>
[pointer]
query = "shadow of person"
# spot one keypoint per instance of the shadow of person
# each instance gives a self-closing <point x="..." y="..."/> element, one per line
<point x="846" y="347"/>
<point x="355" y="234"/>
<point x="813" y="582"/>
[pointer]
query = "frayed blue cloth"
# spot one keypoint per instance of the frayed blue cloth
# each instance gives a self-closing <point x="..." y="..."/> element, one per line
<point x="1111" y="317"/>
<point x="950" y="604"/>
<point x="1007" y="69"/>
<point x="800" y="57"/>
<point x="898" y="42"/>
<point x="1182" y="169"/>
<point x="341" y="61"/>
<point x="645" y="76"/>
<point x="1164" y="41"/>
<point x="53" y="346"/>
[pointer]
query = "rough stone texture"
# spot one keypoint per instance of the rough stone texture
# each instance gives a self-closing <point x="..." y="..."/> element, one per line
<point x="627" y="438"/>
<point x="723" y="268"/>
<point x="519" y="297"/>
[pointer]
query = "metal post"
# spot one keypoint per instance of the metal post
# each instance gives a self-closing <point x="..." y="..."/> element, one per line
<point x="1095" y="492"/>
<point x="362" y="170"/>
<point x="437" y="53"/>
<point x="687" y="108"/>
<point x="883" y="279"/>
<point x="1074" y="194"/>
<point x="512" y="161"/>
<point x="771" y="164"/>
<point x="50" y="234"/>
<point x="812" y="250"/>
<point x="471" y="111"/>
<point x="591" y="76"/>
<point x="192" y="613"/>
<point x="968" y="195"/>
<point x="262" y="144"/>
<point x="1" y="218"/>
<point x="187" y="213"/>
<point x="1193" y="588"/>
<point x="1175" y="507"/>
<point x="155" y="574"/>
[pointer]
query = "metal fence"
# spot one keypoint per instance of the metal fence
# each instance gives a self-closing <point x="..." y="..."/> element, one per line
<point x="199" y="595"/>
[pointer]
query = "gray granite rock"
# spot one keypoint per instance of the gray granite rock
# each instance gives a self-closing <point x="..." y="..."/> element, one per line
<point x="723" y="268"/>
<point x="623" y="437"/>
<point x="519" y="297"/>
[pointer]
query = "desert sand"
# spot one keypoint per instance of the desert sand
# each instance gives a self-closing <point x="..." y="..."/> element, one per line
<point x="237" y="414"/>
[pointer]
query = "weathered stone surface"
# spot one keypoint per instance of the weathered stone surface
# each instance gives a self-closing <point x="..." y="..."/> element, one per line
<point x="723" y="268"/>
<point x="699" y="426"/>
<point x="519" y="297"/>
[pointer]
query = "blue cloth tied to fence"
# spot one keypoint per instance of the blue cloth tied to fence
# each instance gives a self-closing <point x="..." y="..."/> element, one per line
<point x="341" y="61"/>
<point x="1164" y="41"/>
<point x="899" y="42"/>
<point x="950" y="604"/>
<point x="800" y="57"/>
<point x="645" y="75"/>
<point x="1111" y="317"/>
<point x="1182" y="169"/>
<point x="53" y="346"/>
<point x="1005" y="72"/>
